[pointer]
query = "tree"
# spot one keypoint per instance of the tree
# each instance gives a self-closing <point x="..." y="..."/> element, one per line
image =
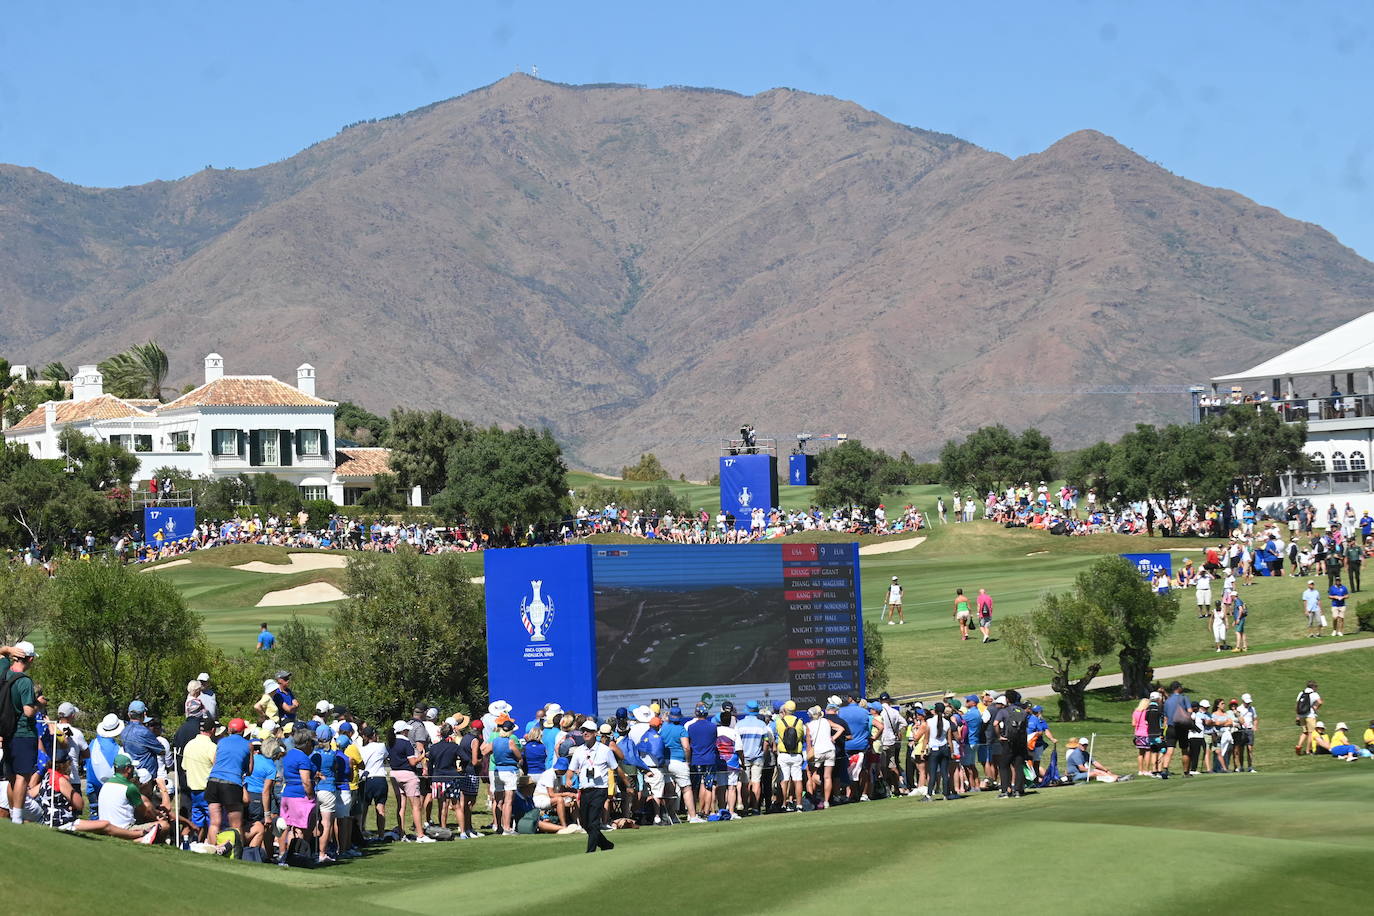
<point x="21" y="396"/>
<point x="986" y="459"/>
<point x="55" y="372"/>
<point x="1061" y="633"/>
<point x="138" y="372"/>
<point x="386" y="494"/>
<point x="40" y="502"/>
<point x="26" y="601"/>
<point x="1138" y="616"/>
<point x="113" y="631"/>
<point x="648" y="468"/>
<point x="847" y="475"/>
<point x="410" y="632"/>
<point x="501" y="477"/>
<point x="1088" y="468"/>
<point x="274" y="495"/>
<point x="875" y="660"/>
<point x="420" y="444"/>
<point x="1262" y="448"/>
<point x="99" y="465"/>
<point x="1032" y="458"/>
<point x="353" y="423"/>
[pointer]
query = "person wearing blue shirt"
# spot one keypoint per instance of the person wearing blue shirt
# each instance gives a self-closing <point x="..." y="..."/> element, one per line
<point x="298" y="793"/>
<point x="224" y="789"/>
<point x="701" y="740"/>
<point x="266" y="639"/>
<point x="141" y="744"/>
<point x="1037" y="733"/>
<point x="754" y="736"/>
<point x="1178" y="716"/>
<point x="1338" y="593"/>
<point x="332" y="768"/>
<point x="856" y="745"/>
<point x="262" y="775"/>
<point x="676" y="772"/>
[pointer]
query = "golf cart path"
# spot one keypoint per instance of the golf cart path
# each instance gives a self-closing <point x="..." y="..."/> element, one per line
<point x="1229" y="660"/>
<point x="869" y="550"/>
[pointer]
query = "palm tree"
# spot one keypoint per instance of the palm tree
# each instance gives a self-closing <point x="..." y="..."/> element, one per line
<point x="55" y="372"/>
<point x="138" y="372"/>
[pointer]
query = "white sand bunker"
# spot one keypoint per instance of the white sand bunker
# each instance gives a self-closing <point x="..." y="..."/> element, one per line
<point x="165" y="565"/>
<point x="891" y="547"/>
<point x="300" y="562"/>
<point x="314" y="593"/>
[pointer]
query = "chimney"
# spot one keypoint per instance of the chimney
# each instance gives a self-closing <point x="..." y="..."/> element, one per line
<point x="88" y="384"/>
<point x="305" y="379"/>
<point x="214" y="367"/>
<point x="49" y="416"/>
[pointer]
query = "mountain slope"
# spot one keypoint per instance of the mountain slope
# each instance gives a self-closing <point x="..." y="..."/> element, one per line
<point x="645" y="269"/>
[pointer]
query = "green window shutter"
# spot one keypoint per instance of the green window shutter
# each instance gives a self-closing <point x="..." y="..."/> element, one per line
<point x="243" y="442"/>
<point x="299" y="449"/>
<point x="324" y="443"/>
<point x="255" y="449"/>
<point x="285" y="445"/>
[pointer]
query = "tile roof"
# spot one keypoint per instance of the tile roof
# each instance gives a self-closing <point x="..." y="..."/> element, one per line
<point x="104" y="407"/>
<point x="361" y="462"/>
<point x="246" y="391"/>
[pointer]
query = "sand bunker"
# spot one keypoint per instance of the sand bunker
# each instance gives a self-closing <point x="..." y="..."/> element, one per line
<point x="165" y="565"/>
<point x="478" y="580"/>
<point x="300" y="562"/>
<point x="891" y="547"/>
<point x="314" y="593"/>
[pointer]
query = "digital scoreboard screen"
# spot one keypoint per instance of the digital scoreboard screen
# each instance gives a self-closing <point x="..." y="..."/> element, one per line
<point x="693" y="623"/>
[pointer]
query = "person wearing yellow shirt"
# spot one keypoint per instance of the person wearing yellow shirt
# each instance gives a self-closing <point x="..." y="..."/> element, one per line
<point x="1369" y="736"/>
<point x="197" y="759"/>
<point x="1341" y="747"/>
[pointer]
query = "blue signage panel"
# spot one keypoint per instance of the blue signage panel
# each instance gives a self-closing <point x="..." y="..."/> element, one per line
<point x="748" y="482"/>
<point x="801" y="470"/>
<point x="163" y="525"/>
<point x="1149" y="564"/>
<point x="540" y="632"/>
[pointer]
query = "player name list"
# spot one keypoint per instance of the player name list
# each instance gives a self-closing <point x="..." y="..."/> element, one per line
<point x="823" y="650"/>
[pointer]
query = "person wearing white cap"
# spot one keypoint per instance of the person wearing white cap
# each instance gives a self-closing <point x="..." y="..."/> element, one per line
<point x="1197" y="736"/>
<point x="1245" y="734"/>
<point x="21" y="748"/>
<point x="592" y="763"/>
<point x="208" y="697"/>
<point x="76" y="740"/>
<point x="1083" y="768"/>
<point x="894" y="604"/>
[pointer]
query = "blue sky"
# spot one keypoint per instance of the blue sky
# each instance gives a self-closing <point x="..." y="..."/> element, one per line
<point x="1271" y="99"/>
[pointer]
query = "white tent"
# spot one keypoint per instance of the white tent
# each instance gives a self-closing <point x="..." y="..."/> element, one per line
<point x="1346" y="349"/>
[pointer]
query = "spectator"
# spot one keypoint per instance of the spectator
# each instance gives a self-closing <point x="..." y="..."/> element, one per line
<point x="224" y="790"/>
<point x="124" y="808"/>
<point x="197" y="760"/>
<point x="267" y="641"/>
<point x="298" y="795"/>
<point x="21" y="746"/>
<point x="208" y="697"/>
<point x="1083" y="767"/>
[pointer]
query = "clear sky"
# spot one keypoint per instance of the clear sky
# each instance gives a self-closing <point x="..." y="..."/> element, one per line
<point x="1272" y="99"/>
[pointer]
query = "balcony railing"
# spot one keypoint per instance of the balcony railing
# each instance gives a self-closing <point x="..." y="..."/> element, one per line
<point x="1295" y="410"/>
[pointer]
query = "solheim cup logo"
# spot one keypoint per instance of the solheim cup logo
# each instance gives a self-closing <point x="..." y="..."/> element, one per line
<point x="745" y="497"/>
<point x="170" y="526"/>
<point x="536" y="613"/>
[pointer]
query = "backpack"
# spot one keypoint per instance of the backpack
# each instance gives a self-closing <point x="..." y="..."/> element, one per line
<point x="9" y="713"/>
<point x="1014" y="729"/>
<point x="1304" y="706"/>
<point x="792" y="741"/>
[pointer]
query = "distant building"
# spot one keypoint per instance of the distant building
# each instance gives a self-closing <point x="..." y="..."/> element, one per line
<point x="230" y="425"/>
<point x="1328" y="382"/>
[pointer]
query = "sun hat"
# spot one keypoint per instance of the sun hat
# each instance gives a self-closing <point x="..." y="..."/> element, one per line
<point x="605" y="728"/>
<point x="1321" y="725"/>
<point x="674" y="713"/>
<point x="498" y="707"/>
<point x="67" y="709"/>
<point x="643" y="714"/>
<point x="269" y="685"/>
<point x="110" y="727"/>
<point x="550" y="720"/>
<point x="459" y="721"/>
<point x="1341" y="726"/>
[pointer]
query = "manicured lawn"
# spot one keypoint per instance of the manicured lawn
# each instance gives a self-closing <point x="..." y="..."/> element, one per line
<point x="1282" y="841"/>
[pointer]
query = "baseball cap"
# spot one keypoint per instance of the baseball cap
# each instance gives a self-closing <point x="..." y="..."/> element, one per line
<point x="1082" y="740"/>
<point x="1246" y="698"/>
<point x="1154" y="695"/>
<point x="727" y="706"/>
<point x="121" y="761"/>
<point x="885" y="696"/>
<point x="67" y="709"/>
<point x="622" y="713"/>
<point x="432" y="713"/>
<point x="345" y="728"/>
<point x="507" y="726"/>
<point x="324" y="733"/>
<point x="136" y="707"/>
<point x="894" y="578"/>
<point x="400" y="728"/>
<point x="752" y="706"/>
<point x="323" y="706"/>
<point x="1001" y="701"/>
<point x="283" y="675"/>
<point x="1037" y="709"/>
<point x="971" y="698"/>
<point x="1205" y="704"/>
<point x="588" y="725"/>
<point x="343" y="741"/>
<point x="25" y="649"/>
<point x="700" y="709"/>
<point x="655" y="722"/>
<point x="269" y="685"/>
<point x="203" y="677"/>
<point x="237" y="726"/>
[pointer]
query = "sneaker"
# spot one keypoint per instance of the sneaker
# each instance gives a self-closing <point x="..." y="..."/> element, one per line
<point x="426" y="839"/>
<point x="148" y="838"/>
<point x="696" y="820"/>
<point x="1156" y="776"/>
<point x="283" y="864"/>
<point x="68" y="828"/>
<point x="325" y="860"/>
<point x="892" y="623"/>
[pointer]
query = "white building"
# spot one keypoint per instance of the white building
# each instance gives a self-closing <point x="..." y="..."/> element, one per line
<point x="230" y="425"/>
<point x="1329" y="383"/>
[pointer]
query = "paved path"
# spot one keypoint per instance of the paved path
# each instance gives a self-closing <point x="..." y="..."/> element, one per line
<point x="1227" y="660"/>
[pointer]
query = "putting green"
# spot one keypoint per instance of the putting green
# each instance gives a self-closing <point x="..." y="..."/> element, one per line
<point x="1282" y="841"/>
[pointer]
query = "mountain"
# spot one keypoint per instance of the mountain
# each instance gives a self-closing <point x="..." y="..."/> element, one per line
<point x="644" y="270"/>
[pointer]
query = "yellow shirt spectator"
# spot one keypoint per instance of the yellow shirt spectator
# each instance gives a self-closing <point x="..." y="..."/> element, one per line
<point x="197" y="760"/>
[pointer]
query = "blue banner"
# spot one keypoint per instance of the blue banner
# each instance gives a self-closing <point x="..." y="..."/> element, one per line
<point x="748" y="482"/>
<point x="801" y="470"/>
<point x="1149" y="564"/>
<point x="163" y="525"/>
<point x="540" y="630"/>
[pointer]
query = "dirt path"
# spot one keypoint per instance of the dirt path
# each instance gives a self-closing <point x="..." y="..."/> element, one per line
<point x="1228" y="660"/>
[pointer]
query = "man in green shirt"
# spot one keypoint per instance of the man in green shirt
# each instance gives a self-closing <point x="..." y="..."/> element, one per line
<point x="21" y="748"/>
<point x="1354" y="556"/>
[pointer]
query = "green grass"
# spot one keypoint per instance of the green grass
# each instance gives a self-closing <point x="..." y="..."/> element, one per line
<point x="1281" y="840"/>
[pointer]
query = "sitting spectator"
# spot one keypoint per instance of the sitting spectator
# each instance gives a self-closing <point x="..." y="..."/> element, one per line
<point x="1083" y="768"/>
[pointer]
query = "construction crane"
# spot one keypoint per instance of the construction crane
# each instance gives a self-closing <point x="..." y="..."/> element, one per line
<point x="1194" y="392"/>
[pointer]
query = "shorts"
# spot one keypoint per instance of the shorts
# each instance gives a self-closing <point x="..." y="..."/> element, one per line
<point x="726" y="776"/>
<point x="1204" y="597"/>
<point x="374" y="790"/>
<point x="1314" y="618"/>
<point x="200" y="808"/>
<point x="653" y="778"/>
<point x="1240" y="625"/>
<point x="327" y="800"/>
<point x="962" y="615"/>
<point x="504" y="780"/>
<point x="790" y="766"/>
<point x="1309" y="725"/>
<point x="1156" y="743"/>
<point x="255" y="814"/>
<point x="445" y="787"/>
<point x="1245" y="737"/>
<point x="225" y="794"/>
<point x="21" y="756"/>
<point x="985" y="753"/>
<point x="856" y="765"/>
<point x="407" y="783"/>
<point x="679" y="773"/>
<point x="1338" y="612"/>
<point x="1037" y="752"/>
<point x="296" y="812"/>
<point x="702" y="775"/>
<point x="542" y="801"/>
<point x="821" y="758"/>
<point x="1178" y="734"/>
<point x="754" y="770"/>
<point x="1142" y="742"/>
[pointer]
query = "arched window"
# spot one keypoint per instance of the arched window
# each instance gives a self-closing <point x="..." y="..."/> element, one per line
<point x="1319" y="460"/>
<point x="1357" y="461"/>
<point x="1338" y="462"/>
